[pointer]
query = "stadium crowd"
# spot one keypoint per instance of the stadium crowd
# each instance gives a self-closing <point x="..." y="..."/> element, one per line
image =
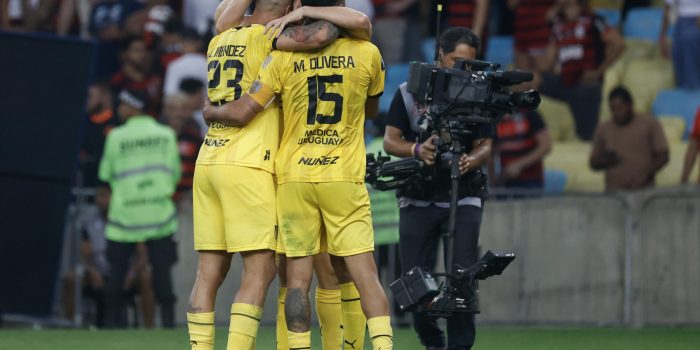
<point x="621" y="93"/>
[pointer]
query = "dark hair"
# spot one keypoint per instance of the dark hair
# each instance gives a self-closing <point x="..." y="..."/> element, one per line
<point x="139" y="99"/>
<point x="458" y="35"/>
<point x="622" y="93"/>
<point x="320" y="3"/>
<point x="191" y="86"/>
<point x="126" y="43"/>
<point x="189" y="33"/>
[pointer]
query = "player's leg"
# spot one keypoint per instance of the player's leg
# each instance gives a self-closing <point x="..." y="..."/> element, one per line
<point x="250" y="218"/>
<point x="328" y="302"/>
<point x="346" y="215"/>
<point x="300" y="224"/>
<point x="354" y="320"/>
<point x="297" y="308"/>
<point x="214" y="262"/>
<point x="258" y="272"/>
<point x="281" y="325"/>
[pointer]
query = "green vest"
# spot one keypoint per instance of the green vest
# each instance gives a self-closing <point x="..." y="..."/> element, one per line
<point x="142" y="165"/>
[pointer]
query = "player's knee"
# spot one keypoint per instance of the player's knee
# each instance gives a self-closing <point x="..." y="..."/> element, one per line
<point x="210" y="277"/>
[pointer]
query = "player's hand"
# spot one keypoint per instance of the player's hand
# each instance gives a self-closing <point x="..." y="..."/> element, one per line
<point x="465" y="163"/>
<point x="274" y="28"/>
<point x="426" y="153"/>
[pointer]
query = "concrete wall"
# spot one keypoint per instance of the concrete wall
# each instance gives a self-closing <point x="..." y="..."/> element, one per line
<point x="571" y="261"/>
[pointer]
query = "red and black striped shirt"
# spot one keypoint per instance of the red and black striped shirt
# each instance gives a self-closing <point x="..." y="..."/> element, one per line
<point x="516" y="137"/>
<point x="581" y="46"/>
<point x="460" y="13"/>
<point x="532" y="29"/>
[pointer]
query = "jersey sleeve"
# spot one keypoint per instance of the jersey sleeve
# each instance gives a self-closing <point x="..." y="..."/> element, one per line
<point x="269" y="82"/>
<point x="376" y="85"/>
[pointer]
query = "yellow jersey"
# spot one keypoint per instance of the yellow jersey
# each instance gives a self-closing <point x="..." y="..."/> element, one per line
<point x="234" y="58"/>
<point x="323" y="96"/>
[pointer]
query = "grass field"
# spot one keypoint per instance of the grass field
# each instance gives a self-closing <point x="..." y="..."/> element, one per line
<point x="487" y="338"/>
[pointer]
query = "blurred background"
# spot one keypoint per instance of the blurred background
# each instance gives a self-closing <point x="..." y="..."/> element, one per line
<point x="595" y="247"/>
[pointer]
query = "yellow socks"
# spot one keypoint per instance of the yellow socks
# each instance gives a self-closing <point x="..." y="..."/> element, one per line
<point x="282" y="343"/>
<point x="330" y="317"/>
<point x="354" y="320"/>
<point x="245" y="321"/>
<point x="299" y="341"/>
<point x="380" y="333"/>
<point x="201" y="328"/>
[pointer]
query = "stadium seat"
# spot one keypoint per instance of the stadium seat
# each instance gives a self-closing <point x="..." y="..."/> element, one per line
<point x="670" y="175"/>
<point x="643" y="23"/>
<point x="558" y="119"/>
<point x="572" y="158"/>
<point x="500" y="50"/>
<point x="645" y="78"/>
<point x="611" y="16"/>
<point x="679" y="102"/>
<point x="428" y="49"/>
<point x="554" y="181"/>
<point x="396" y="74"/>
<point x="673" y="126"/>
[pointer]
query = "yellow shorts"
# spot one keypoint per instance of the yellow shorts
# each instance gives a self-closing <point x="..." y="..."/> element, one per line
<point x="234" y="208"/>
<point x="342" y="209"/>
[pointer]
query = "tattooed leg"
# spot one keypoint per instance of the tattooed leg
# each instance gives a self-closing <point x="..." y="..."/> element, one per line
<point x="297" y="308"/>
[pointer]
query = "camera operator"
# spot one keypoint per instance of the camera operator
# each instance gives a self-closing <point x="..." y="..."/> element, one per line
<point x="424" y="213"/>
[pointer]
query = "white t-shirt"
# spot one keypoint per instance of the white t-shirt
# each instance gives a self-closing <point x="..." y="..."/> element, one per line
<point x="686" y="8"/>
<point x="189" y="65"/>
<point x="198" y="14"/>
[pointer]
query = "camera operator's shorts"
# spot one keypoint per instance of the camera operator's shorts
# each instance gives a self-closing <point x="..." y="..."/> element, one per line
<point x="305" y="209"/>
<point x="234" y="208"/>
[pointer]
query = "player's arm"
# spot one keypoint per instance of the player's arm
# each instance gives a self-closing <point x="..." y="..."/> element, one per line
<point x="307" y="37"/>
<point x="230" y="13"/>
<point x="354" y="22"/>
<point x="234" y="113"/>
<point x="372" y="107"/>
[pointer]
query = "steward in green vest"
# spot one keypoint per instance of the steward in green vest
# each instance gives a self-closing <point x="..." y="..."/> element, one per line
<point x="141" y="163"/>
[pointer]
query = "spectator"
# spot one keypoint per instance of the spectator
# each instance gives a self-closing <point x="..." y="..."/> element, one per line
<point x="169" y="46"/>
<point x="93" y="258"/>
<point x="101" y="120"/>
<point x="630" y="148"/>
<point x="27" y="15"/>
<point x="135" y="73"/>
<point x="581" y="49"/>
<point x="521" y="144"/>
<point x="74" y="18"/>
<point x="178" y="116"/>
<point x="107" y="24"/>
<point x="391" y="28"/>
<point x="142" y="165"/>
<point x="471" y="14"/>
<point x="194" y="91"/>
<point x="686" y="42"/>
<point x="532" y="32"/>
<point x="199" y="14"/>
<point x="192" y="63"/>
<point x="693" y="150"/>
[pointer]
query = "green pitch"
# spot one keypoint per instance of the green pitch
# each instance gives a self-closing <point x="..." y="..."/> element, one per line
<point x="487" y="338"/>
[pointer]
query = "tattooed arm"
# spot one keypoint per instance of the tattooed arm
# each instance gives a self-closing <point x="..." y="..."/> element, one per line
<point x="307" y="37"/>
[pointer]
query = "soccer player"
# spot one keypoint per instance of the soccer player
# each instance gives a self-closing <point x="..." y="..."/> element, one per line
<point x="344" y="324"/>
<point x="234" y="193"/>
<point x="320" y="169"/>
